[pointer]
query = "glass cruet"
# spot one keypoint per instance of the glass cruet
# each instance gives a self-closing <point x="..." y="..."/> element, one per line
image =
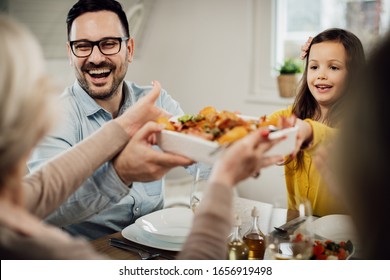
<point x="237" y="249"/>
<point x="254" y="237"/>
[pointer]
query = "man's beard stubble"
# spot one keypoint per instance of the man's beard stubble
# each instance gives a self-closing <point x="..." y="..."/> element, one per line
<point x="106" y="95"/>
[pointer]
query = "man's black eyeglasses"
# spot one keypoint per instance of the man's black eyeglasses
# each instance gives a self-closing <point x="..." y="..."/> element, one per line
<point x="107" y="46"/>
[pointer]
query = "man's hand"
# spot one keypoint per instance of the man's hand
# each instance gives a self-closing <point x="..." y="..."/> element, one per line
<point x="138" y="161"/>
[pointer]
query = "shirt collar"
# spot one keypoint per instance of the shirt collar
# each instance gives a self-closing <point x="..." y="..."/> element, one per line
<point x="85" y="101"/>
<point x="91" y="107"/>
<point x="129" y="100"/>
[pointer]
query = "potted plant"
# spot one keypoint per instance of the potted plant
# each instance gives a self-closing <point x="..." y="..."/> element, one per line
<point x="289" y="76"/>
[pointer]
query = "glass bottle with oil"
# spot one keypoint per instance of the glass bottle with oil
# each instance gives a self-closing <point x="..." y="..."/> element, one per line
<point x="237" y="249"/>
<point x="254" y="238"/>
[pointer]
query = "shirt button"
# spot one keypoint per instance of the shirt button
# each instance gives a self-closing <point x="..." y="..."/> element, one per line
<point x="136" y="209"/>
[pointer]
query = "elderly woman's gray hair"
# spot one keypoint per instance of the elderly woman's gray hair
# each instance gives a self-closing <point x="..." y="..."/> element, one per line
<point x="25" y="106"/>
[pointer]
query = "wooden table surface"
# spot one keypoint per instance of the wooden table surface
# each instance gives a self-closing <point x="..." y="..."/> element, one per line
<point x="102" y="245"/>
<point x="241" y="206"/>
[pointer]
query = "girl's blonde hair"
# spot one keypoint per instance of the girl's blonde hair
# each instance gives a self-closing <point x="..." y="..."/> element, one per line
<point x="25" y="106"/>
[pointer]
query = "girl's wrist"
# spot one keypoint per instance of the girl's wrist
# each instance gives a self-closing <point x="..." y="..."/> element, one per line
<point x="309" y="135"/>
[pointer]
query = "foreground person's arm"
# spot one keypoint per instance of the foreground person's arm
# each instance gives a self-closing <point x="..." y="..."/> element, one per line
<point x="24" y="236"/>
<point x="211" y="225"/>
<point x="213" y="217"/>
<point x="49" y="186"/>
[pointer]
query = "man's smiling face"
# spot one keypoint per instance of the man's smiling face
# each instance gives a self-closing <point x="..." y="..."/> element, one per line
<point x="100" y="75"/>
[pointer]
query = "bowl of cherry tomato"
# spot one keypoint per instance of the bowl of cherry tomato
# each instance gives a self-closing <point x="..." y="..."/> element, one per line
<point x="332" y="250"/>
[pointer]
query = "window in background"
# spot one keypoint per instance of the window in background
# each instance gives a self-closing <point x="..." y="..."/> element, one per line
<point x="296" y="20"/>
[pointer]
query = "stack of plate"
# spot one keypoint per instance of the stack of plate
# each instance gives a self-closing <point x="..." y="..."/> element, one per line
<point x="164" y="229"/>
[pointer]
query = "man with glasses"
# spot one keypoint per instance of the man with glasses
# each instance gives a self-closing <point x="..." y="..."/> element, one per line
<point x="107" y="46"/>
<point x="100" y="48"/>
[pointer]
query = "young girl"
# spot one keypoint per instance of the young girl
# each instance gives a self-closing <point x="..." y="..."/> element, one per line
<point x="330" y="56"/>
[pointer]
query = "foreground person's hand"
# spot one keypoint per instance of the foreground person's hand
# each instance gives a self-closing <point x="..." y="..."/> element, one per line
<point x="142" y="111"/>
<point x="244" y="158"/>
<point x="138" y="161"/>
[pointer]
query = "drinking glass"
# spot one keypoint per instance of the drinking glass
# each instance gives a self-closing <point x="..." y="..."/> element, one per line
<point x="291" y="232"/>
<point x="199" y="184"/>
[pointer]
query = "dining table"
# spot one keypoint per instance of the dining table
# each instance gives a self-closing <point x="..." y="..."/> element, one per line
<point x="242" y="207"/>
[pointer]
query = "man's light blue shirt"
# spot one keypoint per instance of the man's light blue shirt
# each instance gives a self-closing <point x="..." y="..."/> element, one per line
<point x="103" y="204"/>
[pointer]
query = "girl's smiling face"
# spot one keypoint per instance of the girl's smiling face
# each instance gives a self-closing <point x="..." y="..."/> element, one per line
<point x="327" y="72"/>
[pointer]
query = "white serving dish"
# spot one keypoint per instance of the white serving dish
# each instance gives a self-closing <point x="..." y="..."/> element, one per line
<point x="201" y="150"/>
<point x="168" y="224"/>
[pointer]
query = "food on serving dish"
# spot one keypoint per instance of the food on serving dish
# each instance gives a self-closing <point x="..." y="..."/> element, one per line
<point x="168" y="124"/>
<point x="331" y="250"/>
<point x="220" y="126"/>
<point x="202" y="137"/>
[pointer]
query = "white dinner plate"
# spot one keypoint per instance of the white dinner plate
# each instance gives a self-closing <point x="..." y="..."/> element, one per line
<point x="137" y="235"/>
<point x="168" y="224"/>
<point x="336" y="228"/>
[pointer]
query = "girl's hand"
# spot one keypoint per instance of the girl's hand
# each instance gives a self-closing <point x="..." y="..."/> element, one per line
<point x="304" y="136"/>
<point x="305" y="48"/>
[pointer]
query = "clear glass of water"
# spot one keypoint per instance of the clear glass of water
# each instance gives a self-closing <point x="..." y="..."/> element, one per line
<point x="199" y="185"/>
